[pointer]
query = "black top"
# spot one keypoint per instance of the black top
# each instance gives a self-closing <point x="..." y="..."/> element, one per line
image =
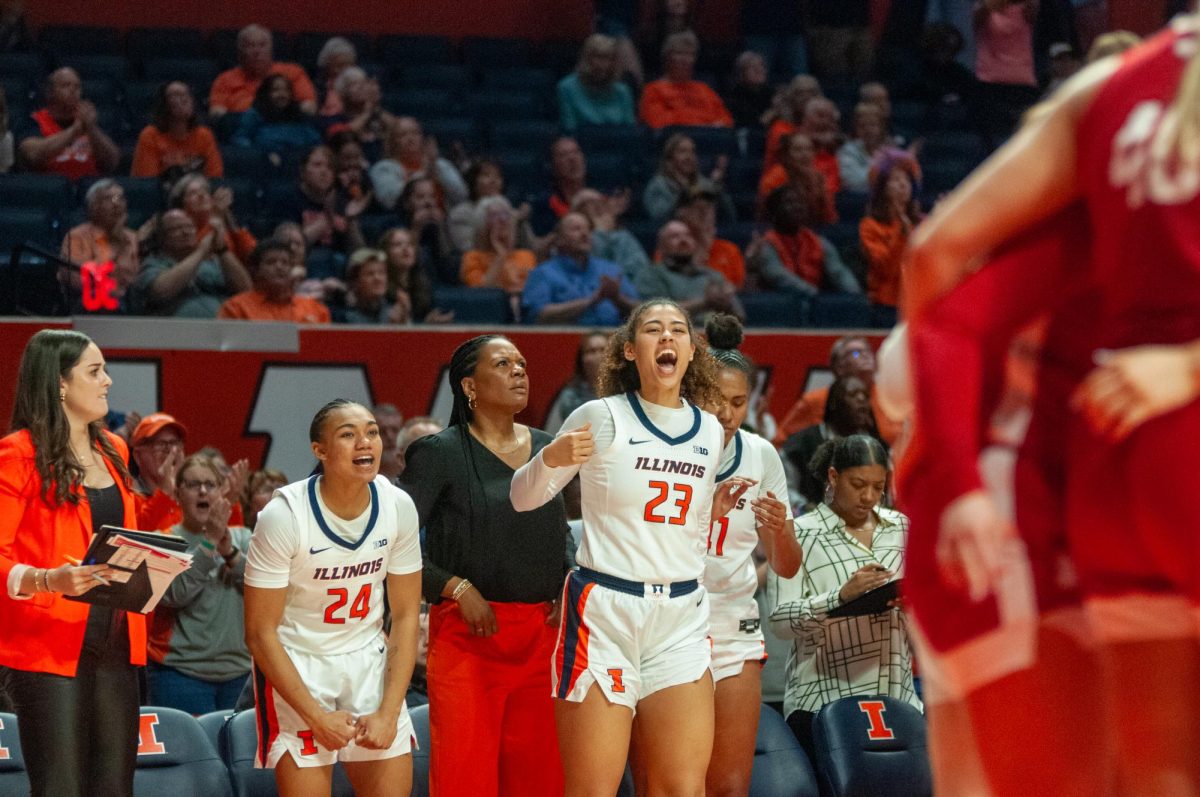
<point x="105" y="635"/>
<point x="471" y="528"/>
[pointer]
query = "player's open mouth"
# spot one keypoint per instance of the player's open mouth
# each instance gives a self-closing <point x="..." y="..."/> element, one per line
<point x="666" y="361"/>
<point x="364" y="462"/>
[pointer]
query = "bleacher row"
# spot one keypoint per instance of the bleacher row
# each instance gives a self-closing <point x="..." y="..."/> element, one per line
<point x="866" y="746"/>
<point x="495" y="97"/>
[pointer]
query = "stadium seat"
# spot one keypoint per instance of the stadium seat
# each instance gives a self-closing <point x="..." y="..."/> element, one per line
<point x="612" y="138"/>
<point x="872" y="745"/>
<point x="63" y="39"/>
<point x="781" y="768"/>
<point x="492" y="53"/>
<point x="212" y="722"/>
<point x="139" y="101"/>
<point x="222" y="46"/>
<point x="839" y="311"/>
<point x="528" y="135"/>
<point x="774" y="309"/>
<point x="32" y="289"/>
<point x="473" y="305"/>
<point x="25" y="65"/>
<point x="239" y="738"/>
<point x="246" y="195"/>
<point x="13" y="782"/>
<point x="446" y="77"/>
<point x="420" y="102"/>
<point x="199" y="73"/>
<point x="176" y="757"/>
<point x="510" y="104"/>
<point x="851" y="205"/>
<point x="17" y="89"/>
<point x="609" y="171"/>
<point x="710" y="141"/>
<point x="559" y="56"/>
<point x="420" y="721"/>
<point x="143" y="44"/>
<point x="47" y="192"/>
<point x="323" y="262"/>
<point x="244" y="162"/>
<point x="402" y="49"/>
<point x="449" y="129"/>
<point x="529" y="79"/>
<point x="94" y="66"/>
<point x="21" y="224"/>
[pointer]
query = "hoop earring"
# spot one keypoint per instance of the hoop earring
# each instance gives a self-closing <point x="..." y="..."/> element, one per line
<point x="828" y="494"/>
<point x="471" y="402"/>
<point x="62" y="396"/>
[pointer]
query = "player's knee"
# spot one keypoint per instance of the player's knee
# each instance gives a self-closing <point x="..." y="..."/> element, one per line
<point x="676" y="784"/>
<point x="727" y="784"/>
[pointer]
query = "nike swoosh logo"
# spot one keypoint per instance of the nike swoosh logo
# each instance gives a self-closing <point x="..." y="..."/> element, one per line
<point x="315" y="551"/>
<point x="700" y="601"/>
<point x="633" y="442"/>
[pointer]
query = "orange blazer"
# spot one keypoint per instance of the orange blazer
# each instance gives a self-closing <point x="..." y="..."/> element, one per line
<point x="45" y="632"/>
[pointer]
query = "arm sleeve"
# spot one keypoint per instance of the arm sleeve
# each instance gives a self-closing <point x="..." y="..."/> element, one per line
<point x="14" y="482"/>
<point x="796" y="609"/>
<point x="453" y="187"/>
<point x="659" y="198"/>
<point x="774" y="478"/>
<point x="272" y="547"/>
<point x="837" y="273"/>
<point x="405" y="554"/>
<point x="536" y="483"/>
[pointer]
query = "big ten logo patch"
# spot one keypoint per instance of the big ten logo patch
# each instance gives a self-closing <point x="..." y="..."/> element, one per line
<point x="148" y="743"/>
<point x="4" y="753"/>
<point x="877" y="729"/>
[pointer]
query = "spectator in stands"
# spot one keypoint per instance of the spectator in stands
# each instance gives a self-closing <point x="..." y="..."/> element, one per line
<point x="65" y="137"/>
<point x="366" y="301"/>
<point x="235" y="89"/>
<point x="212" y="210"/>
<point x="275" y="123"/>
<point x="594" y="94"/>
<point x="750" y="92"/>
<point x="568" y="175"/>
<point x="699" y="290"/>
<point x="496" y="261"/>
<point x="361" y="113"/>
<point x="582" y="386"/>
<point x="325" y="222"/>
<point x="794" y="258"/>
<point x="789" y="113"/>
<point x="103" y="238"/>
<point x="849" y="356"/>
<point x="390" y="421"/>
<point x="422" y="213"/>
<point x="156" y="448"/>
<point x="410" y="154"/>
<point x="847" y="411"/>
<point x="850" y="546"/>
<point x="1004" y="63"/>
<point x="875" y="93"/>
<point x="1114" y="42"/>
<point x="609" y="241"/>
<point x="677" y="98"/>
<point x="892" y="213"/>
<point x="260" y="488"/>
<point x="8" y="152"/>
<point x="575" y="287"/>
<point x="855" y="156"/>
<point x="187" y="276"/>
<point x="175" y="143"/>
<point x="678" y="175"/>
<point x="414" y="429"/>
<point x="273" y="297"/>
<point x="350" y="170"/>
<point x="797" y="168"/>
<point x="698" y="210"/>
<point x="820" y="123"/>
<point x="484" y="179"/>
<point x="335" y="57"/>
<point x="199" y="661"/>
<point x="409" y="284"/>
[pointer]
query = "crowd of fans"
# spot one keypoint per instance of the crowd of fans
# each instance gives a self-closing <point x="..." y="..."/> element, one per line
<point x="760" y="186"/>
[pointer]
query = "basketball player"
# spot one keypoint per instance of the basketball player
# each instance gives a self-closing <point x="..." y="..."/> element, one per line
<point x="730" y="576"/>
<point x="634" y="633"/>
<point x="329" y="684"/>
<point x="1121" y="141"/>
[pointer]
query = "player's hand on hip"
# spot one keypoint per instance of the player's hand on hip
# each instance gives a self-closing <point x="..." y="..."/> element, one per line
<point x="477" y="613"/>
<point x="972" y="539"/>
<point x="1130" y="386"/>
<point x="375" y="731"/>
<point x="727" y="494"/>
<point x="333" y="730"/>
<point x="570" y="448"/>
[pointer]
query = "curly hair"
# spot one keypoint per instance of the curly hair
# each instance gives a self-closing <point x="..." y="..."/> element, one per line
<point x="618" y="375"/>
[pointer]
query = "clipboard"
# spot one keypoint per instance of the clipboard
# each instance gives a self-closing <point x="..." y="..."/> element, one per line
<point x="145" y="569"/>
<point x="872" y="602"/>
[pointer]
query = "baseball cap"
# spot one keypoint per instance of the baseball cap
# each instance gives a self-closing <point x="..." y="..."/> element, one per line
<point x="154" y="423"/>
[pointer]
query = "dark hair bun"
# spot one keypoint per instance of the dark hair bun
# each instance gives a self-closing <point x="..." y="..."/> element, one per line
<point x="724" y="331"/>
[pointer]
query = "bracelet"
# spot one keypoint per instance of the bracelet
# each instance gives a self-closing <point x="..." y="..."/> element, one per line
<point x="231" y="555"/>
<point x="46" y="579"/>
<point x="462" y="587"/>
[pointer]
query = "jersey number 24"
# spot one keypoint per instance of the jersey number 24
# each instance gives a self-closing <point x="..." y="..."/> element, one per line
<point x="358" y="609"/>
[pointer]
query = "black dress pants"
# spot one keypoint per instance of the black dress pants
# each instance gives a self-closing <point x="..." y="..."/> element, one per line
<point x="79" y="735"/>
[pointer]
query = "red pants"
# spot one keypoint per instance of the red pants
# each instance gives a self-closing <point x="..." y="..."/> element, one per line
<point x="491" y="717"/>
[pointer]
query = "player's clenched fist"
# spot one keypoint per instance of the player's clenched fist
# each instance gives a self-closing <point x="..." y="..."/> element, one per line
<point x="333" y="730"/>
<point x="570" y="448"/>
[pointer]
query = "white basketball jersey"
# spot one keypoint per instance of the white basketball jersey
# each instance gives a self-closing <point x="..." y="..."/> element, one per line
<point x="729" y="574"/>
<point x="335" y="587"/>
<point x="647" y="498"/>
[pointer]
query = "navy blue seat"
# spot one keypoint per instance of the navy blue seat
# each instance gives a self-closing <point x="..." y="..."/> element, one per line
<point x="473" y="305"/>
<point x="17" y="89"/>
<point x="239" y="739"/>
<point x="420" y="755"/>
<point x="31" y="287"/>
<point x="558" y="55"/>
<point x="244" y="162"/>
<point x="95" y="67"/>
<point x="198" y="73"/>
<point x="139" y="101"/>
<point x="449" y="129"/>
<point x="12" y="764"/>
<point x="530" y="79"/>
<point x="247" y="193"/>
<point x="612" y="138"/>
<point x="872" y="745"/>
<point x="530" y="135"/>
<point x="445" y="77"/>
<point x="710" y="141"/>
<point x="403" y="49"/>
<point x="64" y="39"/>
<point x="609" y="170"/>
<point x="47" y="192"/>
<point x="774" y="309"/>
<point x="509" y="104"/>
<point x="176" y="757"/>
<point x="142" y="44"/>
<point x="738" y="233"/>
<point x="839" y="311"/>
<point x="25" y="65"/>
<point x="491" y="53"/>
<point x="420" y="102"/>
<point x="222" y="46"/>
<point x="212" y="722"/>
<point x="21" y="224"/>
<point x="851" y="205"/>
<point x="781" y="767"/>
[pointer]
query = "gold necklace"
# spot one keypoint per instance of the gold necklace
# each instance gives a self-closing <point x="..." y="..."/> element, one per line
<point x="484" y="443"/>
